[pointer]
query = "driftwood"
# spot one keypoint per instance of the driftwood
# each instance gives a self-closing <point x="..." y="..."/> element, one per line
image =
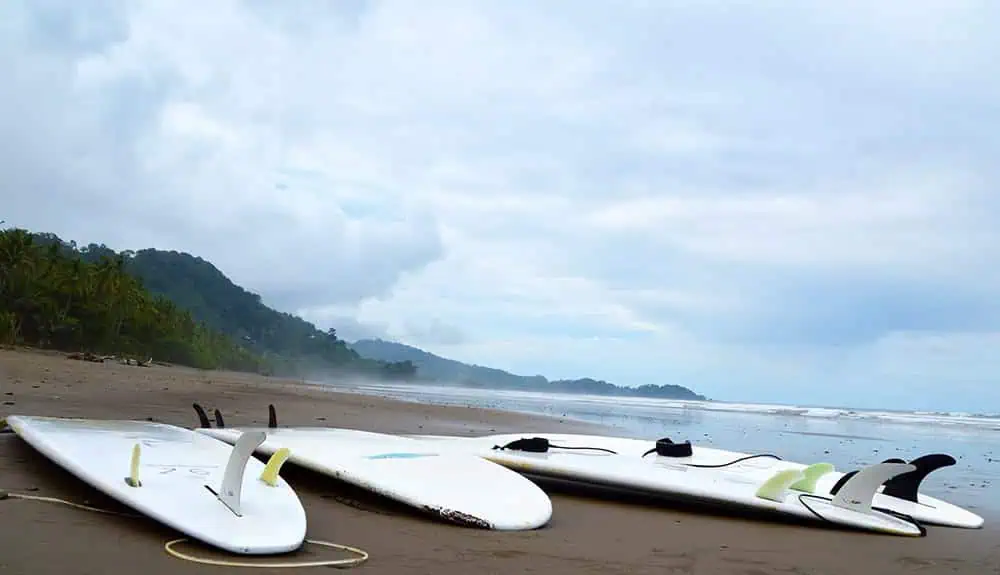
<point x="138" y="362"/>
<point x="88" y="356"/>
<point x="93" y="357"/>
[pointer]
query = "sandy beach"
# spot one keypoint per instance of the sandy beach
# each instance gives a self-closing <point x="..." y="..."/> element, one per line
<point x="586" y="534"/>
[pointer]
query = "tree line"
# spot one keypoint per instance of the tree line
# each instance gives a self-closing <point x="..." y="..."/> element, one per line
<point x="53" y="295"/>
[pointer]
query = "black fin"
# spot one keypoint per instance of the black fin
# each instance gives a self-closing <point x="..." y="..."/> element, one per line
<point x="272" y="417"/>
<point x="840" y="482"/>
<point x="202" y="416"/>
<point x="218" y="419"/>
<point x="906" y="486"/>
<point x="894" y="460"/>
<point x="529" y="444"/>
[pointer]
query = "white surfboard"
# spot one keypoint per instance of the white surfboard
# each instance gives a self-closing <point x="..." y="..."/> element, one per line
<point x="202" y="487"/>
<point x="458" y="488"/>
<point x="749" y="467"/>
<point x="720" y="486"/>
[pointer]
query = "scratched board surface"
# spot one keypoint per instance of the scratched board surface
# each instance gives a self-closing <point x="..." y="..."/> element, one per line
<point x="177" y="470"/>
<point x="455" y="487"/>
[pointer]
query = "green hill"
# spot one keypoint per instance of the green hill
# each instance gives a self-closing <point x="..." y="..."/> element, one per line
<point x="436" y="368"/>
<point x="51" y="297"/>
<point x="169" y="305"/>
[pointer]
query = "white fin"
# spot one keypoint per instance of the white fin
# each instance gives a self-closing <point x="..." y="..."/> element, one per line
<point x="857" y="493"/>
<point x="232" y="480"/>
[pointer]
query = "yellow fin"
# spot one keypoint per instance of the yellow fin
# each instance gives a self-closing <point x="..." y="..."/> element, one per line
<point x="133" y="473"/>
<point x="775" y="487"/>
<point x="809" y="477"/>
<point x="270" y="473"/>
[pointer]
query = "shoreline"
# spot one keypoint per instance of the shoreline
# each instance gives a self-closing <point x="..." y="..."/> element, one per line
<point x="952" y="419"/>
<point x="586" y="534"/>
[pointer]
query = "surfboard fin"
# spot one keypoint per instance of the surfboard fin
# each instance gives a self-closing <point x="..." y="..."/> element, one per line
<point x="232" y="480"/>
<point x="4" y="428"/>
<point x="218" y="419"/>
<point x="203" y="421"/>
<point x="858" y="491"/>
<point x="133" y="469"/>
<point x="906" y="486"/>
<point x="272" y="417"/>
<point x="845" y="478"/>
<point x="775" y="488"/>
<point x="810" y="475"/>
<point x="274" y="463"/>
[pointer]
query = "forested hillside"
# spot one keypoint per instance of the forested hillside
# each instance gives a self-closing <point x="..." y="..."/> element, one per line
<point x="436" y="368"/>
<point x="171" y="306"/>
<point x="51" y="297"/>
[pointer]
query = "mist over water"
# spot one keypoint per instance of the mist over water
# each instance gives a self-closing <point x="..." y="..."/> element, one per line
<point x="847" y="438"/>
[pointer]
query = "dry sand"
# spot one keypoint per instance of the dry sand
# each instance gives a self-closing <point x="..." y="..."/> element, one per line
<point x="586" y="535"/>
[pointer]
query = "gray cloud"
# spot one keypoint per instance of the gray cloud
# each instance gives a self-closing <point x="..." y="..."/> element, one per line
<point x="93" y="153"/>
<point x="563" y="188"/>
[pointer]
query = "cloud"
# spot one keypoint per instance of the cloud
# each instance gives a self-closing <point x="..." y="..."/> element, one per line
<point x="157" y="133"/>
<point x="771" y="202"/>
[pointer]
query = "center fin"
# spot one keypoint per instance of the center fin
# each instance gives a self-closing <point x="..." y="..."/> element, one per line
<point x="232" y="480"/>
<point x="858" y="491"/>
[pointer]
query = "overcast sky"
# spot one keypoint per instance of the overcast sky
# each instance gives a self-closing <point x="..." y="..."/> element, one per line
<point x="770" y="201"/>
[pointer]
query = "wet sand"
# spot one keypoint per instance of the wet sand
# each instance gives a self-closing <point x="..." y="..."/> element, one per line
<point x="586" y="535"/>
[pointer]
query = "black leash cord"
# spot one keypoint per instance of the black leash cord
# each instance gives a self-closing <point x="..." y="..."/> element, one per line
<point x="728" y="463"/>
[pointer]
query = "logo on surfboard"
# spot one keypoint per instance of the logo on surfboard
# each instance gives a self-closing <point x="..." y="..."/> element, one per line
<point x="400" y="455"/>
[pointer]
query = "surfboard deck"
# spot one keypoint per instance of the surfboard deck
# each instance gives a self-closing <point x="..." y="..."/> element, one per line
<point x="178" y="478"/>
<point x="751" y="467"/>
<point x="455" y="487"/>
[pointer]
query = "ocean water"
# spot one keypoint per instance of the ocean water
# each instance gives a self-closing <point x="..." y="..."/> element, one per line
<point x="847" y="438"/>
